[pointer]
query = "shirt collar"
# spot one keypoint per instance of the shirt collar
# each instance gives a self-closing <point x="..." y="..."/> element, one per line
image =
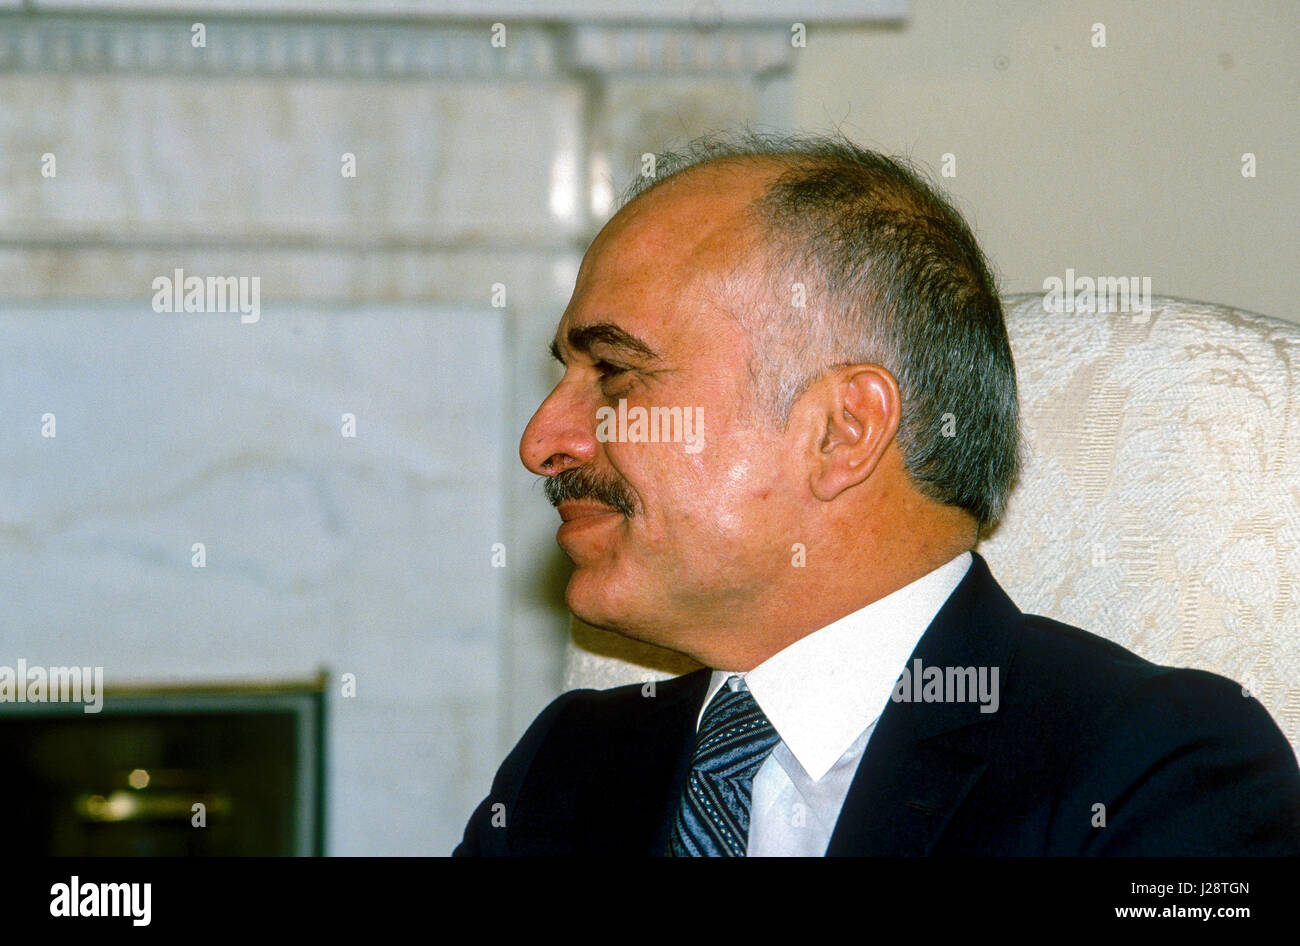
<point x="825" y="689"/>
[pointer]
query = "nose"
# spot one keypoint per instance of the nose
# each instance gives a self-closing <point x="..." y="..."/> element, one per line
<point x="561" y="434"/>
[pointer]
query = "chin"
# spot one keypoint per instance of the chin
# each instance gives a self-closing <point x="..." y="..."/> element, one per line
<point x="589" y="598"/>
<point x="595" y="599"/>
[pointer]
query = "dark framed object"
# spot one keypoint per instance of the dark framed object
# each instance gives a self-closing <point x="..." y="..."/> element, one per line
<point x="194" y="770"/>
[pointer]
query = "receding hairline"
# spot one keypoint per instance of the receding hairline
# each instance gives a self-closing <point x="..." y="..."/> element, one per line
<point x="773" y="164"/>
<point x="752" y="240"/>
<point x="903" y="189"/>
<point x="782" y="153"/>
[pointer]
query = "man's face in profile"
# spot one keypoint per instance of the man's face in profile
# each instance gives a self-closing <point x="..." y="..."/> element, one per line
<point x="667" y="543"/>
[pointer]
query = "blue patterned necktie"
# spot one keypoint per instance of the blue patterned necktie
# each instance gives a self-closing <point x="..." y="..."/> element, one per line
<point x="733" y="740"/>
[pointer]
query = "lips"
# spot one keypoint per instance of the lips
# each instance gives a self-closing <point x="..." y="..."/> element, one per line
<point x="572" y="509"/>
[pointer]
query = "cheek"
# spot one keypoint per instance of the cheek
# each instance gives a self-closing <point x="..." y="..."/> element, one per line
<point x="735" y="501"/>
<point x="728" y="492"/>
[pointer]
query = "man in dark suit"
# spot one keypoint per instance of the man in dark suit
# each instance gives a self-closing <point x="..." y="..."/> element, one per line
<point x="788" y="413"/>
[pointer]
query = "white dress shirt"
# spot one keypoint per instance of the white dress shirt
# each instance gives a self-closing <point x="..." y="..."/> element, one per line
<point x="824" y="694"/>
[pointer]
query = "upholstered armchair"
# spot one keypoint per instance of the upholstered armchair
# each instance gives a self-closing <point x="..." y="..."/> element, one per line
<point x="1159" y="504"/>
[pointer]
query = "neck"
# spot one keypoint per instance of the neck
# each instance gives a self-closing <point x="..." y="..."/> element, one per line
<point x="836" y="580"/>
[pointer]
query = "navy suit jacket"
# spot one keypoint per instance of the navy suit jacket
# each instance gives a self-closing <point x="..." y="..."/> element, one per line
<point x="1183" y="762"/>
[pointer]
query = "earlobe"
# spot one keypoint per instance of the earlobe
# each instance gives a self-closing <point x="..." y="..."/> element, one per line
<point x="822" y="486"/>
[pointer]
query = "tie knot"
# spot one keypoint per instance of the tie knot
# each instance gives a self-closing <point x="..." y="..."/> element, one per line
<point x="734" y="736"/>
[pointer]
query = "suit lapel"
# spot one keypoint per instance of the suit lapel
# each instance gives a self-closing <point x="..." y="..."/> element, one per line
<point x="921" y="761"/>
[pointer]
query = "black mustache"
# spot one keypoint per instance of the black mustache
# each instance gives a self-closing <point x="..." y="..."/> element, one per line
<point x="581" y="483"/>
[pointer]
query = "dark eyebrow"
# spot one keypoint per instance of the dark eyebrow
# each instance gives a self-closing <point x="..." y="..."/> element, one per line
<point x="585" y="337"/>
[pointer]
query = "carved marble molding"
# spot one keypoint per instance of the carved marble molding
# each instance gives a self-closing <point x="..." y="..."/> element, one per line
<point x="727" y="50"/>
<point x="553" y="11"/>
<point x="277" y="49"/>
<point x="346" y="40"/>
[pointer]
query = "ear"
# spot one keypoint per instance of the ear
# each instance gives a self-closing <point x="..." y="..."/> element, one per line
<point x="857" y="415"/>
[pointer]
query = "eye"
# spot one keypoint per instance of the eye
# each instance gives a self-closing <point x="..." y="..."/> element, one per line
<point x="615" y="380"/>
<point x="607" y="370"/>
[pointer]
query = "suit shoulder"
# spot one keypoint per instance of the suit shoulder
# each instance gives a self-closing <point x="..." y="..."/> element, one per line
<point x="1079" y="689"/>
<point x="1088" y="663"/>
<point x="1189" y="764"/>
<point x="479" y="838"/>
<point x="634" y="692"/>
<point x="1182" y="701"/>
<point x="1063" y="641"/>
<point x="575" y="712"/>
<point x="1068" y="666"/>
<point x="569" y="741"/>
<point x="530" y="743"/>
<point x="614" y="708"/>
<point x="1184" y="761"/>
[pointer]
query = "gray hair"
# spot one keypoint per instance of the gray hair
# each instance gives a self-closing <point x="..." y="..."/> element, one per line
<point x="893" y="277"/>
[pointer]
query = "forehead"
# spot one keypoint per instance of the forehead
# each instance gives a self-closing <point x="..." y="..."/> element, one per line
<point x="669" y="263"/>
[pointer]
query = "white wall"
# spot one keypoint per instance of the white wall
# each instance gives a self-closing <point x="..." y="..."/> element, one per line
<point x="1119" y="161"/>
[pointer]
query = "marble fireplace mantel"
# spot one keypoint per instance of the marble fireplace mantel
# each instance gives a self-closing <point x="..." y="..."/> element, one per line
<point x="420" y="39"/>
